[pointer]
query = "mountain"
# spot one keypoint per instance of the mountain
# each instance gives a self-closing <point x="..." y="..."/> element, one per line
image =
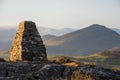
<point x="5" y="45"/>
<point x="81" y="42"/>
<point x="85" y="41"/>
<point x="111" y="54"/>
<point x="117" y="30"/>
<point x="115" y="48"/>
<point x="110" y="57"/>
<point x="7" y="34"/>
<point x="46" y="37"/>
<point x="57" y="32"/>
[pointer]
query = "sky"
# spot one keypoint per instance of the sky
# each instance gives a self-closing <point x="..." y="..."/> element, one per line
<point x="60" y="13"/>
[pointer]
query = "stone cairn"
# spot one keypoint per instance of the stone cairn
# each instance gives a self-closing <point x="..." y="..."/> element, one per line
<point x="28" y="44"/>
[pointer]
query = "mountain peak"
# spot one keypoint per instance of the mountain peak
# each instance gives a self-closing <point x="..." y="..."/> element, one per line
<point x="85" y="41"/>
<point x="98" y="29"/>
<point x="96" y="26"/>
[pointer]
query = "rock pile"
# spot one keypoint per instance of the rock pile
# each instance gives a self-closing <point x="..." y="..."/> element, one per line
<point x="28" y="44"/>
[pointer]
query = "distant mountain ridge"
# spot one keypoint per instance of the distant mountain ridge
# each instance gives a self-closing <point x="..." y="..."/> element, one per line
<point x="81" y="42"/>
<point x="116" y="30"/>
<point x="48" y="36"/>
<point x="5" y="45"/>
<point x="84" y="41"/>
<point x="7" y="34"/>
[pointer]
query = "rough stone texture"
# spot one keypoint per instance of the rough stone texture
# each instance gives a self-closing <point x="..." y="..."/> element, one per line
<point x="52" y="71"/>
<point x="28" y="44"/>
<point x="95" y="73"/>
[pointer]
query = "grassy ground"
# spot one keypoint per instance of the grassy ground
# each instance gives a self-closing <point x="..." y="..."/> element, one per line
<point x="101" y="61"/>
<point x="97" y="60"/>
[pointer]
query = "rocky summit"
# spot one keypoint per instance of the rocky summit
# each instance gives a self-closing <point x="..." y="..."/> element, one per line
<point x="54" y="71"/>
<point x="28" y="61"/>
<point x="28" y="45"/>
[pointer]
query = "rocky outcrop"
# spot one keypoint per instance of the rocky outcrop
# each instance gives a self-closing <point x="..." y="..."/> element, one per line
<point x="31" y="63"/>
<point x="53" y="71"/>
<point x="28" y="44"/>
<point x="94" y="73"/>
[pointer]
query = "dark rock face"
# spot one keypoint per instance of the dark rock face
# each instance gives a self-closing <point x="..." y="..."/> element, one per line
<point x="28" y="44"/>
<point x="94" y="73"/>
<point x="46" y="71"/>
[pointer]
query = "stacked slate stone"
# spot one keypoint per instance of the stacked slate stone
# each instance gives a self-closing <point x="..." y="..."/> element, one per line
<point x="28" y="45"/>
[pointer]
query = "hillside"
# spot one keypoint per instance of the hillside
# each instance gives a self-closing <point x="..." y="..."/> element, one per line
<point x="5" y="45"/>
<point x="48" y="36"/>
<point x="112" y="54"/>
<point x="108" y="58"/>
<point x="116" y="30"/>
<point x="85" y="41"/>
<point x="7" y="35"/>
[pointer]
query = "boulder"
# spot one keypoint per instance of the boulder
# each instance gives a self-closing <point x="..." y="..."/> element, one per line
<point x="94" y="73"/>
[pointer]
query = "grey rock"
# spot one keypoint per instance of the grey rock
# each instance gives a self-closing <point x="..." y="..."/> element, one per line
<point x="46" y="71"/>
<point x="95" y="73"/>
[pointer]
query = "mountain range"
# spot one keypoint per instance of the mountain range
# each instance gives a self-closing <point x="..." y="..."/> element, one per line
<point x="48" y="36"/>
<point x="7" y="34"/>
<point x="85" y="41"/>
<point x="69" y="41"/>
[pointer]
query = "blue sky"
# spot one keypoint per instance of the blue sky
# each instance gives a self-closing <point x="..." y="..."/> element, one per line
<point x="60" y="13"/>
